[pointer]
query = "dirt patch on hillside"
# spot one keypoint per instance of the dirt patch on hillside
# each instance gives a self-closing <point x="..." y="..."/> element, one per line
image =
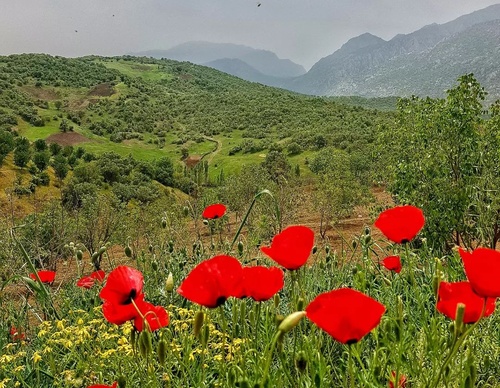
<point x="67" y="138"/>
<point x="102" y="90"/>
<point x="41" y="93"/>
<point x="192" y="161"/>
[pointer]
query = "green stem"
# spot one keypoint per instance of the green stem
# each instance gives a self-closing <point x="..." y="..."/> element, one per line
<point x="244" y="220"/>
<point x="270" y="357"/>
<point x="456" y="345"/>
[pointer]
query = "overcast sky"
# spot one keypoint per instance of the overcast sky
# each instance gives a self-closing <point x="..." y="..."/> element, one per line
<point x="301" y="30"/>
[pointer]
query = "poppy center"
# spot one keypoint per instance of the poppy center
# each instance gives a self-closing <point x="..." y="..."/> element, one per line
<point x="220" y="301"/>
<point x="131" y="296"/>
<point x="351" y="341"/>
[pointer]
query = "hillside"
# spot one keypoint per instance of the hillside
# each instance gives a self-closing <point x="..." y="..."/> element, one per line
<point x="152" y="108"/>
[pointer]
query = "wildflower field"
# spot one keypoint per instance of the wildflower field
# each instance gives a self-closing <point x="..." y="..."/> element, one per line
<point x="295" y="313"/>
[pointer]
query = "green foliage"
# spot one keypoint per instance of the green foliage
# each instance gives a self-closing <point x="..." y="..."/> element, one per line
<point x="442" y="157"/>
<point x="22" y="152"/>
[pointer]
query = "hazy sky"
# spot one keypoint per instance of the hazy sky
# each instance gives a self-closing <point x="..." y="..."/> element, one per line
<point x="301" y="30"/>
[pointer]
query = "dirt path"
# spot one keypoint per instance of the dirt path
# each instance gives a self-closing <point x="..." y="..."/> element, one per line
<point x="210" y="155"/>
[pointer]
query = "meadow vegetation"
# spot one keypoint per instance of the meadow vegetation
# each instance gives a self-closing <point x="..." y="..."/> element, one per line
<point x="112" y="162"/>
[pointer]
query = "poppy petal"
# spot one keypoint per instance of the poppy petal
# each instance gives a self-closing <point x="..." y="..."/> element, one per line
<point x="156" y="316"/>
<point x="261" y="283"/>
<point x="212" y="281"/>
<point x="214" y="211"/>
<point x="451" y="294"/>
<point x="124" y="283"/>
<point x="291" y="248"/>
<point x="392" y="263"/>
<point x="482" y="268"/>
<point x="401" y="223"/>
<point x="85" y="282"/>
<point x="45" y="276"/>
<point x="345" y="314"/>
<point x="120" y="313"/>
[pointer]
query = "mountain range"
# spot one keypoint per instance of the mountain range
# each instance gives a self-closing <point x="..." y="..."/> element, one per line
<point x="425" y="62"/>
<point x="231" y="58"/>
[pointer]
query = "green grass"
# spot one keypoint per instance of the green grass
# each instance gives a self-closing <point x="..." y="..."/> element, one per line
<point x="149" y="72"/>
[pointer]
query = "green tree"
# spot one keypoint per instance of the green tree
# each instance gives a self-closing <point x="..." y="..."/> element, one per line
<point x="6" y="144"/>
<point x="41" y="160"/>
<point x="164" y="171"/>
<point x="22" y="152"/>
<point x="338" y="190"/>
<point x="439" y="154"/>
<point x="60" y="165"/>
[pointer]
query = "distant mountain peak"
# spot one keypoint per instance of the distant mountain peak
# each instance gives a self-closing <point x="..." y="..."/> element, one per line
<point x="361" y="41"/>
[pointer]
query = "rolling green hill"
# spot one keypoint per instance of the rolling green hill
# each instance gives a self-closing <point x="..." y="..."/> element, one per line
<point x="152" y="108"/>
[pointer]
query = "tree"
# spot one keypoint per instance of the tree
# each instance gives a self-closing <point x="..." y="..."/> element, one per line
<point x="277" y="166"/>
<point x="60" y="165"/>
<point x="338" y="190"/>
<point x="6" y="144"/>
<point x="41" y="160"/>
<point x="439" y="156"/>
<point x="164" y="171"/>
<point x="22" y="153"/>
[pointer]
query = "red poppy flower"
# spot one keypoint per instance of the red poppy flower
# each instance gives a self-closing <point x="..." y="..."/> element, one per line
<point x="261" y="283"/>
<point x="450" y="294"/>
<point x="45" y="276"/>
<point x="392" y="263"/>
<point x="482" y="268"/>
<point x="214" y="211"/>
<point x="346" y="314"/>
<point x="88" y="281"/>
<point x="212" y="281"/>
<point x="401" y="223"/>
<point x="16" y="334"/>
<point x="402" y="380"/>
<point x="114" y="385"/>
<point x="123" y="286"/>
<point x="156" y="316"/>
<point x="291" y="248"/>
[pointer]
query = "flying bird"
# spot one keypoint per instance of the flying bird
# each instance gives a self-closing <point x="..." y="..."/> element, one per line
<point x="259" y="4"/>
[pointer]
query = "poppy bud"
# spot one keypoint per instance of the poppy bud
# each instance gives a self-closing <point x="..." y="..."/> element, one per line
<point x="169" y="284"/>
<point x="101" y="250"/>
<point x="231" y="378"/>
<point x="315" y="249"/>
<point x="278" y="319"/>
<point x="133" y="338"/>
<point x="367" y="230"/>
<point x="243" y="383"/>
<point x="204" y="337"/>
<point x="368" y="238"/>
<point x="145" y="343"/>
<point x="387" y="281"/>
<point x="128" y="251"/>
<point x="122" y="382"/>
<point x="459" y="319"/>
<point x="94" y="257"/>
<point x="150" y="248"/>
<point x="291" y="321"/>
<point x="79" y="254"/>
<point x="162" y="351"/>
<point x="240" y="247"/>
<point x="163" y="222"/>
<point x="154" y="265"/>
<point x="354" y="244"/>
<point x="301" y="361"/>
<point x="327" y="249"/>
<point x="317" y="380"/>
<point x="170" y="246"/>
<point x="205" y="222"/>
<point x="185" y="211"/>
<point x="300" y="304"/>
<point x="276" y="300"/>
<point x="435" y="283"/>
<point x="198" y="322"/>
